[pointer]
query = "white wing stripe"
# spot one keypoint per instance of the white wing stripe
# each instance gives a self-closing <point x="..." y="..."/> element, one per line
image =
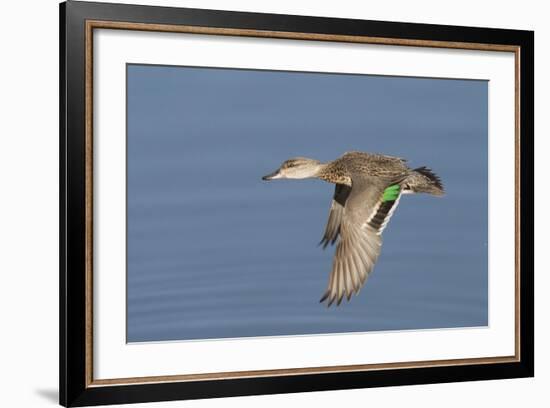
<point x="388" y="216"/>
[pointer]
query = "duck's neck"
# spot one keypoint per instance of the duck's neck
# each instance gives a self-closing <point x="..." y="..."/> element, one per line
<point x="317" y="170"/>
<point x="312" y="171"/>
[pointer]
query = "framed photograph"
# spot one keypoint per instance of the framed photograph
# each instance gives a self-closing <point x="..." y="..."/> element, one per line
<point x="256" y="203"/>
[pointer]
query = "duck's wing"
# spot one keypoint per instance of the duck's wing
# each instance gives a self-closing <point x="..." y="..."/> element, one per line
<point x="366" y="213"/>
<point x="332" y="229"/>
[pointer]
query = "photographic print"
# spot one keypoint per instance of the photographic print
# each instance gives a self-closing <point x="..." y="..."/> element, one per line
<point x="259" y="203"/>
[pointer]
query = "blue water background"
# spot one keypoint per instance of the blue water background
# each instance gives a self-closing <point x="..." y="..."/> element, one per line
<point x="214" y="252"/>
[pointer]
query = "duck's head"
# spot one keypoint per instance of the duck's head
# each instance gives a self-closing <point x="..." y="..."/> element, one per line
<point x="296" y="168"/>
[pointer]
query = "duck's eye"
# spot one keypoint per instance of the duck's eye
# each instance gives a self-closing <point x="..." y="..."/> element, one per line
<point x="291" y="164"/>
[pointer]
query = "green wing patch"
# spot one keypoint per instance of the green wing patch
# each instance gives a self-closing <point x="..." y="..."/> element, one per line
<point x="391" y="193"/>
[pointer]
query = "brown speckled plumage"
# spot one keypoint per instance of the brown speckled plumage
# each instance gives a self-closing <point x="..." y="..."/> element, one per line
<point x="340" y="170"/>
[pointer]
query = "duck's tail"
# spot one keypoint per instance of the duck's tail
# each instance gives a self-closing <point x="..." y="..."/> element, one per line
<point x="424" y="180"/>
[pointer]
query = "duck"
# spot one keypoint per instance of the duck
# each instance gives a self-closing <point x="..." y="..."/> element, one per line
<point x="368" y="188"/>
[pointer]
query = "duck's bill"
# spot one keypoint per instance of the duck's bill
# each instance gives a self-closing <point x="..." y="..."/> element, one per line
<point x="272" y="176"/>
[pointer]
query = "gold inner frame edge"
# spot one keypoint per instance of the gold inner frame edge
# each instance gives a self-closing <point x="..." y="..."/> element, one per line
<point x="92" y="24"/>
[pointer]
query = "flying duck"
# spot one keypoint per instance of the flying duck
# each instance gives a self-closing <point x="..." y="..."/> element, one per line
<point x="367" y="192"/>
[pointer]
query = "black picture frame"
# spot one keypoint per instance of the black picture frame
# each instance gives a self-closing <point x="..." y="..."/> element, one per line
<point x="75" y="389"/>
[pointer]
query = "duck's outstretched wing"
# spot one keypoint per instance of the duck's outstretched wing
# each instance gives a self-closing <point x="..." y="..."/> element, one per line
<point x="366" y="213"/>
<point x="332" y="229"/>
